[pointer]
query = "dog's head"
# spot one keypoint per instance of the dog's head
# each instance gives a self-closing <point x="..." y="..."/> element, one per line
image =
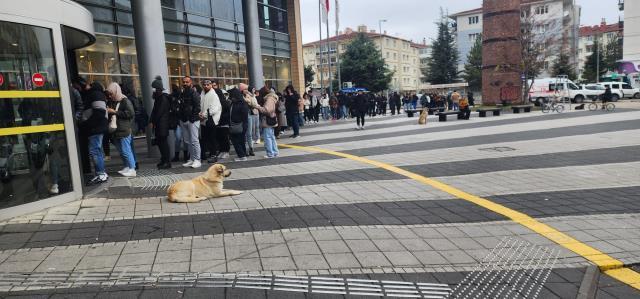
<point x="217" y="173"/>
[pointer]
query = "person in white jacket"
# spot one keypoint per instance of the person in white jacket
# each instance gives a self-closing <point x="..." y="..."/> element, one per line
<point x="210" y="111"/>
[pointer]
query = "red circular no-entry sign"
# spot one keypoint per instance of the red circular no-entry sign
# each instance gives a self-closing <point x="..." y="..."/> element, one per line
<point x="1" y="79"/>
<point x="37" y="79"/>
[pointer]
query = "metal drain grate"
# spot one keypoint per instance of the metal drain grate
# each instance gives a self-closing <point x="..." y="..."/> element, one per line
<point x="303" y="284"/>
<point x="498" y="149"/>
<point x="152" y="179"/>
<point x="513" y="269"/>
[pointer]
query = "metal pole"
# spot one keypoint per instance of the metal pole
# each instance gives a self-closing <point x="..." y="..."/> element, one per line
<point x="152" y="55"/>
<point x="320" y="47"/>
<point x="338" y="47"/>
<point x="329" y="59"/>
<point x="597" y="59"/>
<point x="252" y="35"/>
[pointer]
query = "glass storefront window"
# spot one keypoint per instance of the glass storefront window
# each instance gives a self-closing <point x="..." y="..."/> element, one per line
<point x="202" y="62"/>
<point x="128" y="59"/>
<point x="283" y="68"/>
<point x="226" y="45"/>
<point x="175" y="4"/>
<point x="223" y="9"/>
<point x="244" y="71"/>
<point x="18" y="68"/>
<point x="178" y="60"/>
<point x="198" y="6"/>
<point x="269" y="67"/>
<point x="196" y="40"/>
<point x="34" y="161"/>
<point x="101" y="57"/>
<point x="227" y="63"/>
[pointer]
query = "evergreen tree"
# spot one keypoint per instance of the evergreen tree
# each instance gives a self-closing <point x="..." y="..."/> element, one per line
<point x="443" y="63"/>
<point x="612" y="54"/>
<point x="473" y="67"/>
<point x="363" y="65"/>
<point x="562" y="66"/>
<point x="309" y="75"/>
<point x="589" y="73"/>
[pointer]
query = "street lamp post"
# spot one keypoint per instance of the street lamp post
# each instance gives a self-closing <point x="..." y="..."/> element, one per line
<point x="381" y="35"/>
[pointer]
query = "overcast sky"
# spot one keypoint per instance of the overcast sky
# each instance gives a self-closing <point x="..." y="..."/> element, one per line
<point x="414" y="19"/>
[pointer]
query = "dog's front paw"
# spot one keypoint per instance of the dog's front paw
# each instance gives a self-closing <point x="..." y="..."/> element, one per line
<point x="236" y="192"/>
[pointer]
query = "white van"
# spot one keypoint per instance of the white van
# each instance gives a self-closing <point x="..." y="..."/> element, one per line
<point x="621" y="90"/>
<point x="545" y="89"/>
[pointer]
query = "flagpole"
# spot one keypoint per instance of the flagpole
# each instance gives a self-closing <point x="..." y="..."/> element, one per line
<point x="320" y="46"/>
<point x="329" y="54"/>
<point x="338" y="44"/>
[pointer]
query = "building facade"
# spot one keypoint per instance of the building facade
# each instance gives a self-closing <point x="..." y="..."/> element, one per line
<point x="203" y="39"/>
<point x="604" y="33"/>
<point x="555" y="24"/>
<point x="631" y="43"/>
<point x="401" y="56"/>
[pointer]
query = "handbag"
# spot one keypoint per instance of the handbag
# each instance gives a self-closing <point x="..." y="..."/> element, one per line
<point x="113" y="123"/>
<point x="234" y="128"/>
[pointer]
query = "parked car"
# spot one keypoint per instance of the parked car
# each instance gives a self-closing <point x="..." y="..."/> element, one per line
<point x="545" y="89"/>
<point x="621" y="90"/>
<point x="592" y="91"/>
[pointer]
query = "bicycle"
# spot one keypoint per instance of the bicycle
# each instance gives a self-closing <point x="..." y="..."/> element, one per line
<point x="552" y="106"/>
<point x="609" y="106"/>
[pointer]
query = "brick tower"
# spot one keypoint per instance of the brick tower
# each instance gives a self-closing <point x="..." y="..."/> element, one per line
<point x="501" y="51"/>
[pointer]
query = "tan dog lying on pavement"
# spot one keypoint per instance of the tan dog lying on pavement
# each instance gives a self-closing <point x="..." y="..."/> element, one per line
<point x="208" y="185"/>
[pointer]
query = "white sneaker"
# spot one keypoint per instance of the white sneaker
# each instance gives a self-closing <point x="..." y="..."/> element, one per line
<point x="188" y="164"/>
<point x="362" y="128"/>
<point x="240" y="159"/>
<point x="54" y="189"/>
<point x="196" y="164"/>
<point x="126" y="169"/>
<point x="131" y="173"/>
<point x="358" y="128"/>
<point x="223" y="155"/>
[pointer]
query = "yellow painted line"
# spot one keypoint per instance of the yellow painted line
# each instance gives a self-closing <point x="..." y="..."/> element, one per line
<point x="13" y="94"/>
<point x="31" y="129"/>
<point x="606" y="263"/>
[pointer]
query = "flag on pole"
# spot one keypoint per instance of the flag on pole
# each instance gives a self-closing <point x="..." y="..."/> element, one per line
<point x="337" y="15"/>
<point x="325" y="10"/>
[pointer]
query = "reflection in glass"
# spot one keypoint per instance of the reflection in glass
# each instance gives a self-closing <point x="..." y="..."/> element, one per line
<point x="283" y="70"/>
<point x="25" y="51"/>
<point x="101" y="57"/>
<point x="223" y="9"/>
<point x="269" y="67"/>
<point x="202" y="62"/>
<point x="128" y="59"/>
<point x="244" y="71"/>
<point x="227" y="63"/>
<point x="178" y="60"/>
<point x="198" y="6"/>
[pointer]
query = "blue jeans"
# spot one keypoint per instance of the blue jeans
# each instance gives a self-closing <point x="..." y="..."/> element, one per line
<point x="95" y="150"/>
<point x="178" y="143"/>
<point x="270" y="144"/>
<point x="343" y="111"/>
<point x="124" y="147"/>
<point x="325" y="113"/>
<point x="249" y="135"/>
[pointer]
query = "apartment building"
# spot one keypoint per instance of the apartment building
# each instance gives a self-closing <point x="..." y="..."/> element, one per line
<point x="604" y="33"/>
<point x="401" y="56"/>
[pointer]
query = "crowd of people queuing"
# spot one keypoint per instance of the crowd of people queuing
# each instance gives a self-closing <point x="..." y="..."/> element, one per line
<point x="206" y="120"/>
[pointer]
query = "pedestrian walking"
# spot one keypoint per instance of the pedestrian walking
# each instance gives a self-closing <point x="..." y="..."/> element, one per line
<point x="455" y="100"/>
<point x="174" y="124"/>
<point x="360" y="108"/>
<point x="121" y="112"/>
<point x="160" y="121"/>
<point x="281" y="110"/>
<point x="190" y="121"/>
<point x="222" y="129"/>
<point x="324" y="107"/>
<point x="238" y="123"/>
<point x="253" y="117"/>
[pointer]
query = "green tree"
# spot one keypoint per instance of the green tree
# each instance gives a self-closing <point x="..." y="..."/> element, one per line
<point x="308" y="75"/>
<point x="590" y="73"/>
<point x="473" y="67"/>
<point x="612" y="54"/>
<point x="562" y="66"/>
<point x="443" y="63"/>
<point x="363" y="65"/>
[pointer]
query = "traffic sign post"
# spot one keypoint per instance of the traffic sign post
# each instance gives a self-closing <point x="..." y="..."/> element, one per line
<point x="37" y="79"/>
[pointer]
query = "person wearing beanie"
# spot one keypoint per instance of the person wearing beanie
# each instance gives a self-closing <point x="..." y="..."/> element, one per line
<point x="160" y="122"/>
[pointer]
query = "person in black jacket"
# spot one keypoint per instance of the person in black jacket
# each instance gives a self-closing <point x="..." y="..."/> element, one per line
<point x="239" y="118"/>
<point x="222" y="129"/>
<point x="160" y="121"/>
<point x="292" y="98"/>
<point x="190" y="121"/>
<point x="360" y="105"/>
<point x="94" y="124"/>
